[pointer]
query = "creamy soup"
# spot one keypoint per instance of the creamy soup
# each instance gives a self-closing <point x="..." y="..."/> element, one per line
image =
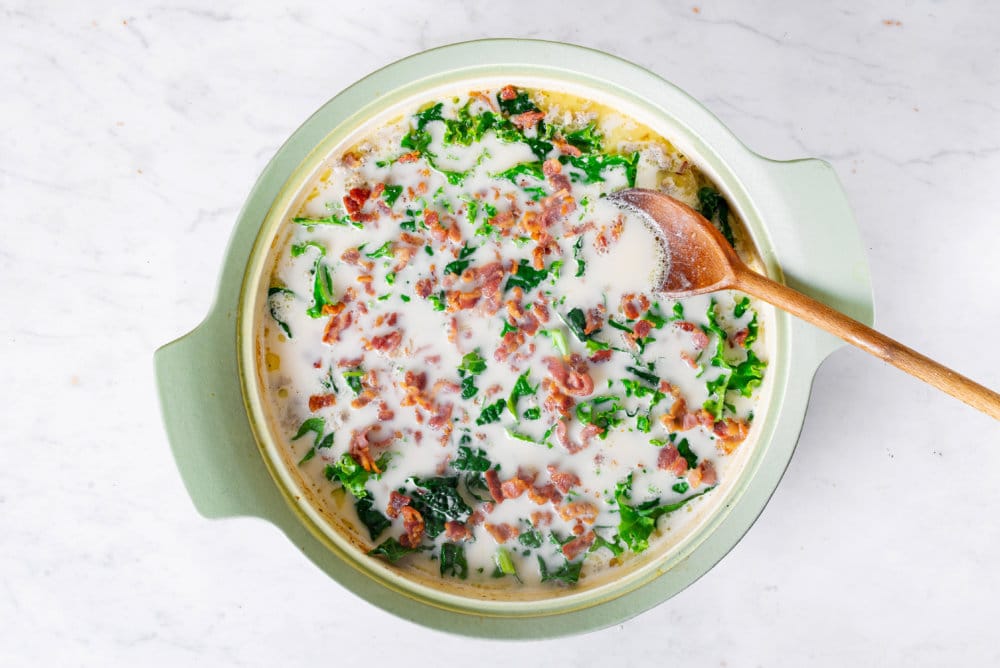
<point x="464" y="352"/>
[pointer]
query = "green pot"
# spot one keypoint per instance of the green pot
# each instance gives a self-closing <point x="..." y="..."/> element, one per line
<point x="796" y="213"/>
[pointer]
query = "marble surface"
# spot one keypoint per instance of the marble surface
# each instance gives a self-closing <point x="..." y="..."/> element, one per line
<point x="130" y="134"/>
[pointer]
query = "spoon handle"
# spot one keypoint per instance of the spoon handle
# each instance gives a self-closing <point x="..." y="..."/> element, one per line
<point x="869" y="340"/>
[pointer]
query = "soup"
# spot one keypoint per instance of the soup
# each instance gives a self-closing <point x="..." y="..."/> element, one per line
<point x="465" y="356"/>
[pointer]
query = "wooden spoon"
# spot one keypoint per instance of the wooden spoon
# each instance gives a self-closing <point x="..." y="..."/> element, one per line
<point x="701" y="260"/>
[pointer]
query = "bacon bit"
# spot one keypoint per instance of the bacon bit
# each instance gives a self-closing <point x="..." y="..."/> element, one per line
<point x="364" y="278"/>
<point x="510" y="342"/>
<point x="698" y="336"/>
<point x="317" y="364"/>
<point x="562" y="435"/>
<point x="563" y="481"/>
<point x="351" y="159"/>
<point x="412" y="156"/>
<point x="556" y="401"/>
<point x="553" y="172"/>
<point x="573" y="548"/>
<point x="493" y="482"/>
<point x="378" y="190"/>
<point x="541" y="310"/>
<point x="424" y="287"/>
<point x="463" y="301"/>
<point x="337" y="324"/>
<point x="351" y="256"/>
<point x="673" y="419"/>
<point x="670" y="459"/>
<point x="502" y="532"/>
<point x="318" y="401"/>
<point x="600" y="356"/>
<point x="731" y="433"/>
<point x="508" y="92"/>
<point x="441" y="420"/>
<point x="641" y="329"/>
<point x="386" y="343"/>
<point x="516" y="486"/>
<point x="444" y="385"/>
<point x="629" y="307"/>
<point x="432" y="219"/>
<point x="456" y="531"/>
<point x="391" y="319"/>
<point x="349" y="295"/>
<point x="538" y="257"/>
<point x="333" y="309"/>
<point x="617" y="228"/>
<point x="478" y="515"/>
<point x="403" y="255"/>
<point x="514" y="310"/>
<point x="574" y="378"/>
<point x="566" y="148"/>
<point x="414" y="239"/>
<point x="452" y="331"/>
<point x="579" y="510"/>
<point x="354" y="200"/>
<point x="492" y="275"/>
<point x="413" y="525"/>
<point x="740" y="337"/>
<point x="541" y="518"/>
<point x="703" y="474"/>
<point x="547" y="493"/>
<point x="690" y="361"/>
<point x="417" y="381"/>
<point x="484" y="98"/>
<point x="384" y="412"/>
<point x="345" y="362"/>
<point x="527" y="120"/>
<point x="396" y="503"/>
<point x="360" y="449"/>
<point x="594" y="319"/>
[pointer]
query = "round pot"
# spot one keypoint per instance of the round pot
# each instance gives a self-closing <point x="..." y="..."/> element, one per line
<point x="795" y="212"/>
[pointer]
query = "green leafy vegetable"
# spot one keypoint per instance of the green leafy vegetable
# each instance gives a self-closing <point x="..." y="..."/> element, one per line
<point x="453" y="561"/>
<point x="492" y="412"/>
<point x="681" y="487"/>
<point x="637" y="523"/>
<point x="375" y="521"/>
<point x="438" y="501"/>
<point x="271" y="292"/>
<point x="577" y="323"/>
<point x="531" y="169"/>
<point x="533" y="413"/>
<point x="684" y="448"/>
<point x="558" y="340"/>
<point x="589" y="168"/>
<point x="527" y="277"/>
<point x="748" y="375"/>
<point x="568" y="573"/>
<point x="518" y="105"/>
<point x="741" y="307"/>
<point x="391" y="194"/>
<point x="315" y="425"/>
<point x="472" y="363"/>
<point x="349" y="473"/>
<point x="595" y="412"/>
<point x="353" y="379"/>
<point x="522" y="388"/>
<point x="581" y="264"/>
<point x="715" y="208"/>
<point x="504" y="562"/>
<point x="332" y="219"/>
<point x="587" y="139"/>
<point x="751" y="332"/>
<point x="382" y="251"/>
<point x="462" y="263"/>
<point x="531" y="538"/>
<point x="392" y="550"/>
<point x="471" y="460"/>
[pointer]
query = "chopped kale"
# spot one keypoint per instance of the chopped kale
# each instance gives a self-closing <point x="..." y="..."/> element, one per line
<point x="353" y="379"/>
<point x="684" y="448"/>
<point x="332" y="219"/>
<point x="522" y="388"/>
<point x="462" y="263"/>
<point x="741" y="307"/>
<point x="271" y="292"/>
<point x="453" y="561"/>
<point x="527" y="277"/>
<point x="518" y="105"/>
<point x="748" y="375"/>
<point x="568" y="573"/>
<point x="715" y="208"/>
<point x="351" y="474"/>
<point x="382" y="251"/>
<point x="492" y="412"/>
<point x="533" y="413"/>
<point x="472" y="363"/>
<point x="375" y="521"/>
<point x="637" y="523"/>
<point x="588" y="139"/>
<point x="531" y="169"/>
<point x="471" y="460"/>
<point x="581" y="264"/>
<point x="315" y="425"/>
<point x="531" y="538"/>
<point x="438" y="501"/>
<point x="589" y="168"/>
<point x="392" y="550"/>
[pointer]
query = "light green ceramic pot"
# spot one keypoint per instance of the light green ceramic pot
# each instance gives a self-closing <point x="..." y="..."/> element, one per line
<point x="795" y="212"/>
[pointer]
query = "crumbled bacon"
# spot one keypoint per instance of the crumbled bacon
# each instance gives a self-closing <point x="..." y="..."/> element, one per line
<point x="424" y="287"/>
<point x="491" y="275"/>
<point x="412" y="156"/>
<point x="730" y="433"/>
<point x="384" y="412"/>
<point x="350" y="362"/>
<point x="502" y="532"/>
<point x="698" y="336"/>
<point x="740" y="337"/>
<point x="493" y="483"/>
<point x="556" y="401"/>
<point x="562" y="480"/>
<point x="527" y="119"/>
<point x="541" y="518"/>
<point x="508" y="92"/>
<point x="572" y="376"/>
<point x="582" y="543"/>
<point x="600" y="356"/>
<point x="670" y="459"/>
<point x="318" y="401"/>
<point x="479" y="514"/>
<point x="553" y="172"/>
<point x="457" y="531"/>
<point x="386" y="343"/>
<point x="594" y="319"/>
<point x="641" y="329"/>
<point x="516" y="486"/>
<point x="413" y="525"/>
<point x="396" y="503"/>
<point x="566" y="148"/>
<point x="703" y="474"/>
<point x="351" y="160"/>
<point x="360" y="449"/>
<point x="354" y="200"/>
<point x="543" y="494"/>
<point x="462" y="301"/>
<point x="441" y="420"/>
<point x="337" y="324"/>
<point x="584" y="511"/>
<point x="333" y="309"/>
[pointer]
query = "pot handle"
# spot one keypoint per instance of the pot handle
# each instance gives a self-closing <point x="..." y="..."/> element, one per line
<point x="814" y="233"/>
<point x="207" y="426"/>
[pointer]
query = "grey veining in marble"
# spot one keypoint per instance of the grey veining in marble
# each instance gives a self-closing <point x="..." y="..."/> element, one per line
<point x="130" y="134"/>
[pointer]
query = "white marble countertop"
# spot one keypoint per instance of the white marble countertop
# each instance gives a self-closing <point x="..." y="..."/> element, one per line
<point x="130" y="134"/>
